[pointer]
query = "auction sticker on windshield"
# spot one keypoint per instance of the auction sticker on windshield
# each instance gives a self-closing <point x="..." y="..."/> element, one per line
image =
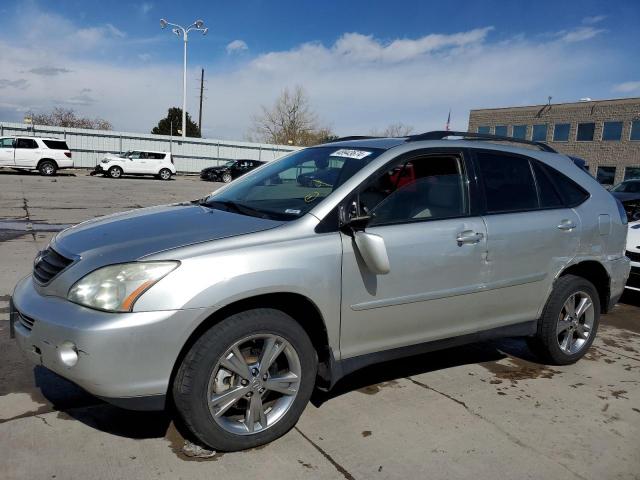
<point x="348" y="153"/>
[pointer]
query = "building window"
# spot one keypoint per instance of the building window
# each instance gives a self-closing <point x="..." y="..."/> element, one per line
<point x="585" y="132"/>
<point x="561" y="132"/>
<point x="635" y="130"/>
<point x="501" y="130"/>
<point x="520" y="131"/>
<point x="484" y="129"/>
<point x="606" y="175"/>
<point x="539" y="133"/>
<point x="631" y="172"/>
<point x="612" y="131"/>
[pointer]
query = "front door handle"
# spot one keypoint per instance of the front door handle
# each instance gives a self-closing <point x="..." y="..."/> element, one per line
<point x="469" y="237"/>
<point x="567" y="225"/>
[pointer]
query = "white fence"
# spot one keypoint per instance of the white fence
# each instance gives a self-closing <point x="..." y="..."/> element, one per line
<point x="191" y="155"/>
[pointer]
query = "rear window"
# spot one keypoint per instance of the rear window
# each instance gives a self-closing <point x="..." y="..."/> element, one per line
<point x="56" y="144"/>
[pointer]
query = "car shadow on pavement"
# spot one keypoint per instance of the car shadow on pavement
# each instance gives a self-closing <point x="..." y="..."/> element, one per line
<point x="25" y="173"/>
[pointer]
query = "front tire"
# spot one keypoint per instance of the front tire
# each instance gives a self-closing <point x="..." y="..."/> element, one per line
<point x="47" y="168"/>
<point x="115" y="172"/>
<point x="246" y="381"/>
<point x="569" y="321"/>
<point x="226" y="178"/>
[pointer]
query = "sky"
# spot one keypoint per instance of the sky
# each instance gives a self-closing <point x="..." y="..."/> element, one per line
<point x="363" y="64"/>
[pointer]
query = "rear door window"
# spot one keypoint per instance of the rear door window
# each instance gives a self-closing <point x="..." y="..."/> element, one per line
<point x="26" y="143"/>
<point x="508" y="182"/>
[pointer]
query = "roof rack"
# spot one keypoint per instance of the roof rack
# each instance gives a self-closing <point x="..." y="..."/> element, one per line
<point x="353" y="137"/>
<point x="442" y="134"/>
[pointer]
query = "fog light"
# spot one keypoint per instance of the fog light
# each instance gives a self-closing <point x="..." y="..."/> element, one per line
<point x="68" y="353"/>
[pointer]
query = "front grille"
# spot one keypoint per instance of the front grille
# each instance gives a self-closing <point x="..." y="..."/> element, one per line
<point x="48" y="264"/>
<point x="25" y="321"/>
<point x="633" y="256"/>
<point x="634" y="278"/>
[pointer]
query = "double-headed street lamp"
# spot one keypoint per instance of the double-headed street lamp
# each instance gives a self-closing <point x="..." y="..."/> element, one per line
<point x="198" y="26"/>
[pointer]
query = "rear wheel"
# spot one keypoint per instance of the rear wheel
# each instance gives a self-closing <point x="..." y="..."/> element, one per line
<point x="569" y="322"/>
<point x="115" y="172"/>
<point x="246" y="381"/>
<point x="47" y="168"/>
<point x="164" y="174"/>
<point x="226" y="178"/>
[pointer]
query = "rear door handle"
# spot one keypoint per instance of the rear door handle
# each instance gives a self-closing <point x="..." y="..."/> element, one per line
<point x="567" y="225"/>
<point x="469" y="237"/>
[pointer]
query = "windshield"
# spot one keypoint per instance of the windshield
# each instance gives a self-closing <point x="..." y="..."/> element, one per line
<point x="630" y="186"/>
<point x="229" y="163"/>
<point x="288" y="188"/>
<point x="125" y="154"/>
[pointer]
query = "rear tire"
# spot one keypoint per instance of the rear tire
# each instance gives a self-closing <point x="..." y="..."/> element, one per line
<point x="164" y="174"/>
<point x="569" y="321"/>
<point x="240" y="341"/>
<point x="47" y="168"/>
<point x="115" y="172"/>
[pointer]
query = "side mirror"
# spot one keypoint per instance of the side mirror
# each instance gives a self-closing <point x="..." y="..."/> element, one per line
<point x="373" y="251"/>
<point x="350" y="220"/>
<point x="130" y="157"/>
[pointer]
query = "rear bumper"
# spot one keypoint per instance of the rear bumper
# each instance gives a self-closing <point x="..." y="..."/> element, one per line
<point x="618" y="270"/>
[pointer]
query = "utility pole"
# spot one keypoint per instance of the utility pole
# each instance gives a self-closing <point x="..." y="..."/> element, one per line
<point x="201" y="90"/>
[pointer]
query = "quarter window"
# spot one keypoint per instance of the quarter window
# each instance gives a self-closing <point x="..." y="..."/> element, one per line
<point x="572" y="194"/>
<point x="508" y="183"/>
<point x="501" y="130"/>
<point x="635" y="130"/>
<point x="520" y="131"/>
<point x="539" y="133"/>
<point x="606" y="175"/>
<point x="424" y="188"/>
<point x="612" y="131"/>
<point x="585" y="132"/>
<point x="561" y="132"/>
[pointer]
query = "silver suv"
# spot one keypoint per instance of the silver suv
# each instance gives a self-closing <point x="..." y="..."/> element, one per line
<point x="235" y="307"/>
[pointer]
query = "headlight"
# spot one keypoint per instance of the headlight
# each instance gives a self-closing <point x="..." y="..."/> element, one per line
<point x="104" y="160"/>
<point x="117" y="287"/>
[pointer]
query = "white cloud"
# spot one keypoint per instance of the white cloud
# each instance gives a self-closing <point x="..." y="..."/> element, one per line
<point x="580" y="34"/>
<point x="594" y="19"/>
<point x="146" y="7"/>
<point x="145" y="57"/>
<point x="627" y="87"/>
<point x="237" y="46"/>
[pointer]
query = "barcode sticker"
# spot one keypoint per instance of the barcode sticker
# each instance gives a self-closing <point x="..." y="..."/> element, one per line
<point x="348" y="153"/>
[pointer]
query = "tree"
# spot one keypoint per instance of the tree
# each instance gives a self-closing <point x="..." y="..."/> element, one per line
<point x="174" y="116"/>
<point x="289" y="121"/>
<point x="66" y="117"/>
<point x="394" y="130"/>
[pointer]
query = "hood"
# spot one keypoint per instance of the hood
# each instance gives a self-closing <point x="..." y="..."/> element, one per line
<point x="131" y="235"/>
<point x="625" y="197"/>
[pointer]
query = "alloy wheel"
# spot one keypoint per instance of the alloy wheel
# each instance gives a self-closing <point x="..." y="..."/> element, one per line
<point x="254" y="384"/>
<point x="575" y="322"/>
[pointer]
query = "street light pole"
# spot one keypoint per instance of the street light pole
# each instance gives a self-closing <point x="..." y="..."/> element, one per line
<point x="178" y="30"/>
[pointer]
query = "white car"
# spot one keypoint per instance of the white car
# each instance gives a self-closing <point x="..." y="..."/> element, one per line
<point x="47" y="155"/>
<point x="137" y="162"/>
<point x="633" y="252"/>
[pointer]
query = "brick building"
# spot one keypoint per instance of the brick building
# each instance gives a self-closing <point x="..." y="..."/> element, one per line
<point x="606" y="133"/>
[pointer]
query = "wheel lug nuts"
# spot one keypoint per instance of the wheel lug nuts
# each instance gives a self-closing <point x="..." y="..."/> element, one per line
<point x="244" y="382"/>
<point x="249" y="394"/>
<point x="264" y="377"/>
<point x="254" y="372"/>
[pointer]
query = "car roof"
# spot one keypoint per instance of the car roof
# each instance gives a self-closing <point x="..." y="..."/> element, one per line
<point x="146" y="151"/>
<point x="35" y="138"/>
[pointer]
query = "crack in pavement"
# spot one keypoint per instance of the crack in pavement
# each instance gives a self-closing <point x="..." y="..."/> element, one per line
<point x="618" y="353"/>
<point x="337" y="466"/>
<point x="508" y="434"/>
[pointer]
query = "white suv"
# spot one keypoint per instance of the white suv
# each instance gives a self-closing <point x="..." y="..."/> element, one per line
<point x="137" y="162"/>
<point x="47" y="155"/>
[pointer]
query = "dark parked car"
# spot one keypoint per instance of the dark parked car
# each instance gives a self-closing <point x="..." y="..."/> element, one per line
<point x="229" y="171"/>
<point x="628" y="192"/>
<point x="319" y="178"/>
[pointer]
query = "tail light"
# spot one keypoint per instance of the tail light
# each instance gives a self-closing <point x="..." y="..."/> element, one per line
<point x="68" y="154"/>
<point x="171" y="157"/>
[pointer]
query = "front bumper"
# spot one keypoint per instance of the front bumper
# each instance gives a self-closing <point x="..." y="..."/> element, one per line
<point x="633" y="283"/>
<point x="124" y="358"/>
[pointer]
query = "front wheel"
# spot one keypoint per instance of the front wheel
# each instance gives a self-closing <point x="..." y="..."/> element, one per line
<point x="115" y="172"/>
<point x="569" y="321"/>
<point x="165" y="174"/>
<point x="226" y="178"/>
<point x="246" y="381"/>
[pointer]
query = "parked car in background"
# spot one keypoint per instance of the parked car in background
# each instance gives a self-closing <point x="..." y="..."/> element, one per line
<point x="229" y="171"/>
<point x="633" y="252"/>
<point x="137" y="162"/>
<point x="47" y="155"/>
<point x="628" y="192"/>
<point x="234" y="307"/>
